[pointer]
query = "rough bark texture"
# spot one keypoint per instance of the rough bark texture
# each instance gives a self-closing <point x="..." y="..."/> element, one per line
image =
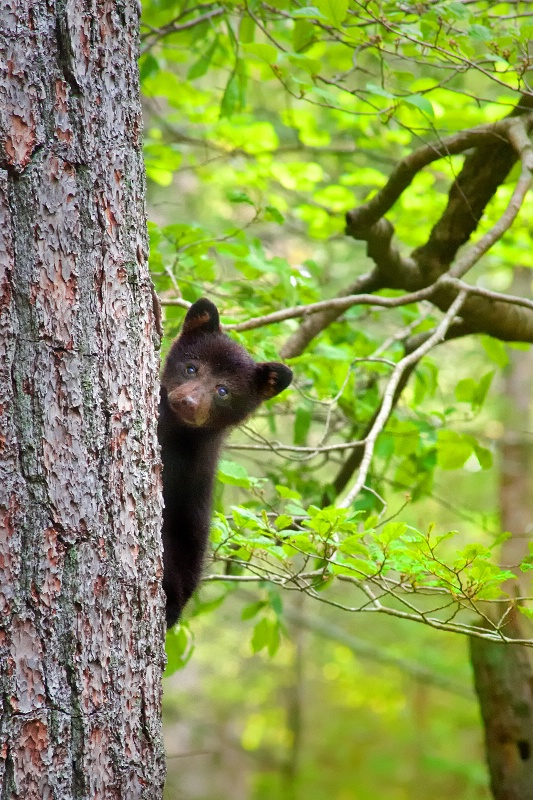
<point x="503" y="675"/>
<point x="81" y="611"/>
<point x="504" y="684"/>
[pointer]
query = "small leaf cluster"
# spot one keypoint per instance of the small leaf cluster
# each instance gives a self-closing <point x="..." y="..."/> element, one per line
<point x="309" y="548"/>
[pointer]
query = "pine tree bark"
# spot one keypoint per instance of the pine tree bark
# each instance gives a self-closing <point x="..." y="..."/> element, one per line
<point x="81" y="611"/>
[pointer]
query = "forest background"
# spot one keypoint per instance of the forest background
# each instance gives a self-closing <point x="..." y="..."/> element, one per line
<point x="361" y="517"/>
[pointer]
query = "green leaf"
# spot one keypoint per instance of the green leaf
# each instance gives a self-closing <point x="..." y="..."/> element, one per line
<point x="200" y="68"/>
<point x="287" y="493"/>
<point x="266" y="634"/>
<point x="465" y="389"/>
<point x="353" y="545"/>
<point x="297" y="510"/>
<point x="356" y="567"/>
<point x="234" y="474"/>
<point x="234" y="97"/>
<point x="470" y="391"/>
<point x="380" y="91"/>
<point x="179" y="646"/>
<point x="333" y="10"/>
<point x="262" y="51"/>
<point x="272" y="213"/>
<point x="148" y="65"/>
<point x="495" y="350"/>
<point x="162" y="177"/>
<point x="453" y="449"/>
<point x="390" y="532"/>
<point x="483" y="388"/>
<point x="338" y="198"/>
<point x="231" y="97"/>
<point x="207" y="606"/>
<point x="250" y="611"/>
<point x="246" y="518"/>
<point x="273" y="643"/>
<point x="303" y="35"/>
<point x="302" y="425"/>
<point x="262" y="635"/>
<point x="457" y="9"/>
<point x="246" y="30"/>
<point x="371" y="522"/>
<point x="275" y="601"/>
<point x="310" y="65"/>
<point x="310" y="12"/>
<point x="420" y="102"/>
<point x="484" y="456"/>
<point x="481" y="33"/>
<point x="236" y="196"/>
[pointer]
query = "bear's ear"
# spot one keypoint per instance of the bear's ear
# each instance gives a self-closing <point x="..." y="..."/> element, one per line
<point x="202" y="317"/>
<point x="272" y="378"/>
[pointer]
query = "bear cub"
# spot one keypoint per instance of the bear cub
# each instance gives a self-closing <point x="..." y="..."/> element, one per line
<point x="209" y="383"/>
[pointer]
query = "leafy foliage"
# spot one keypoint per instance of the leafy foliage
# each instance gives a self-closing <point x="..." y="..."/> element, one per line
<point x="374" y="155"/>
<point x="267" y="123"/>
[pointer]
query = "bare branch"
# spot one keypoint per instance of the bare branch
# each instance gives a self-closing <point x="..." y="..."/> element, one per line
<point x="279" y="447"/>
<point x="519" y="138"/>
<point x="483" y="172"/>
<point x="339" y="304"/>
<point x="496" y="149"/>
<point x="365" y="216"/>
<point x="486" y="293"/>
<point x="155" y="34"/>
<point x="387" y="404"/>
<point x="175" y="301"/>
<point x="495" y="634"/>
<point x="486" y="315"/>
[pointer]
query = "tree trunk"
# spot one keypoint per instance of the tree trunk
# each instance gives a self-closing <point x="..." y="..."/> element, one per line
<point x="81" y="611"/>
<point x="503" y="681"/>
<point x="503" y="674"/>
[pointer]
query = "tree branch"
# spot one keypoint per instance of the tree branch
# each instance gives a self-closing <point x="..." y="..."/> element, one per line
<point x="363" y="218"/>
<point x="520" y="140"/>
<point x="296" y="344"/>
<point x="497" y="147"/>
<point x="175" y="27"/>
<point x="388" y="396"/>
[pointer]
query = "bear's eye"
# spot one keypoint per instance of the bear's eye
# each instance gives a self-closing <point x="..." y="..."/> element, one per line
<point x="222" y="391"/>
<point x="190" y="369"/>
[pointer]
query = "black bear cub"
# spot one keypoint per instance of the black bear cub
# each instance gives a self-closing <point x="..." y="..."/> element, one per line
<point x="209" y="383"/>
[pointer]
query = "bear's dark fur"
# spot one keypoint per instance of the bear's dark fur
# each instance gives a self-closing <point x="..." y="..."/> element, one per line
<point x="209" y="383"/>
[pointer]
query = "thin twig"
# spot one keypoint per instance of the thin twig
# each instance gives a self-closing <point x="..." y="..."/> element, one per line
<point x="386" y="406"/>
<point x="344" y="303"/>
<point x="174" y="27"/>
